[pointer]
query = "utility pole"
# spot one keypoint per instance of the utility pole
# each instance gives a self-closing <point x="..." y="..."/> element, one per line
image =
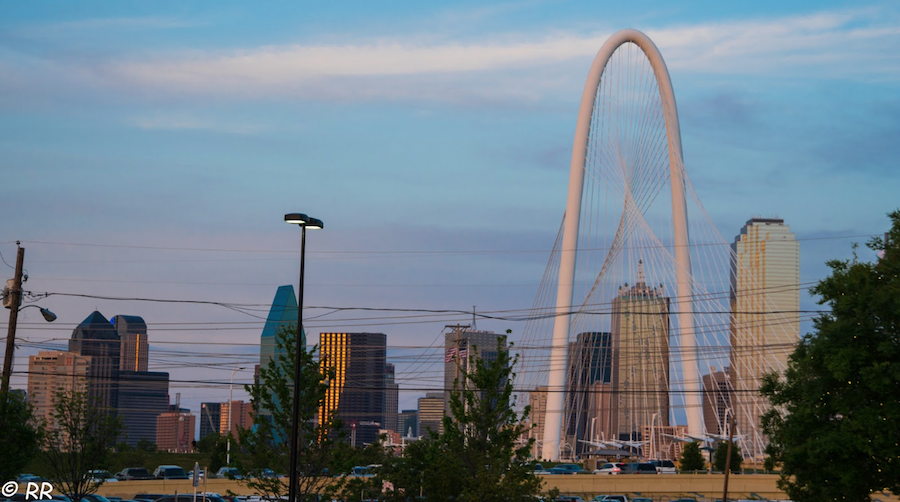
<point x="728" y="455"/>
<point x="15" y="297"/>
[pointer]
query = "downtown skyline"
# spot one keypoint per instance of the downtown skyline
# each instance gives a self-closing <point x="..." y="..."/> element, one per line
<point x="152" y="152"/>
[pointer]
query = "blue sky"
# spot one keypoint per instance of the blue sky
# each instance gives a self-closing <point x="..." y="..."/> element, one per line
<point x="149" y="150"/>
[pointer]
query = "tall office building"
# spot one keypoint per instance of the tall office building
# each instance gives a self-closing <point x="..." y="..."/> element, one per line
<point x="588" y="395"/>
<point x="408" y="421"/>
<point x="716" y="400"/>
<point x="175" y="432"/>
<point x="640" y="345"/>
<point x="431" y="414"/>
<point x="391" y="399"/>
<point x="462" y="347"/>
<point x="537" y="399"/>
<point x="97" y="337"/>
<point x="134" y="348"/>
<point x="765" y="324"/>
<point x="142" y="396"/>
<point x="282" y="314"/>
<point x="50" y="372"/>
<point x="210" y="419"/>
<point x="356" y="394"/>
<point x="234" y="416"/>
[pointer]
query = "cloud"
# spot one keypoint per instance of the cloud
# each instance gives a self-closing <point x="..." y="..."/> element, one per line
<point x="187" y="122"/>
<point x="521" y="67"/>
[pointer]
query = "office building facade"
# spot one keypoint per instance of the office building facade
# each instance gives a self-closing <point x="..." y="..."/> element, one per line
<point x="50" y="372"/>
<point x="142" y="396"/>
<point x="588" y="415"/>
<point x="356" y="393"/>
<point x="462" y="348"/>
<point x="640" y="357"/>
<point x="134" y="348"/>
<point x="96" y="337"/>
<point x="717" y="400"/>
<point x="765" y="322"/>
<point x="175" y="432"/>
<point x="210" y="419"/>
<point x="431" y="414"/>
<point x="391" y="399"/>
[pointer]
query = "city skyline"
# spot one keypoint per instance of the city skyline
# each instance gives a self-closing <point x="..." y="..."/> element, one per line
<point x="174" y="186"/>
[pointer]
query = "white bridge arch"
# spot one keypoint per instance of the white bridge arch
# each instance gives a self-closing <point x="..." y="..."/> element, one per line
<point x="568" y="251"/>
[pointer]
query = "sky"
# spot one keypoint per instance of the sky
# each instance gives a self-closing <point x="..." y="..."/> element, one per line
<point x="149" y="150"/>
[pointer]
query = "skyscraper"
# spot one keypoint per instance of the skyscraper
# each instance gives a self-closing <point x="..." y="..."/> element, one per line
<point x="210" y="419"/>
<point x="282" y="314"/>
<point x="640" y="343"/>
<point x="134" y="348"/>
<point x="97" y="337"/>
<point x="356" y="393"/>
<point x="142" y="396"/>
<point x="588" y="396"/>
<point x="716" y="400"/>
<point x="462" y="347"/>
<point x="50" y="372"/>
<point x="431" y="413"/>
<point x="765" y="324"/>
<point x="391" y="399"/>
<point x="408" y="423"/>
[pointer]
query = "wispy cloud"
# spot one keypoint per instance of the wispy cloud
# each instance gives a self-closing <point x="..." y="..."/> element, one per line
<point x="68" y="28"/>
<point x="187" y="122"/>
<point x="852" y="44"/>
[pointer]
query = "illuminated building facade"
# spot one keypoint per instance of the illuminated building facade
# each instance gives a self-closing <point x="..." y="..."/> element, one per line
<point x="765" y="324"/>
<point x="356" y="394"/>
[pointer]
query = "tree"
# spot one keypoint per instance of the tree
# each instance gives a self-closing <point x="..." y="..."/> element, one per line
<point x="692" y="458"/>
<point x="265" y="447"/>
<point x="479" y="456"/>
<point x="721" y="455"/>
<point x="216" y="446"/>
<point x="20" y="435"/>
<point x="79" y="438"/>
<point x="832" y="425"/>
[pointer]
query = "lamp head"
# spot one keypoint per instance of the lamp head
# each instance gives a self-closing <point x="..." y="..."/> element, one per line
<point x="48" y="316"/>
<point x="296" y="218"/>
<point x="304" y="221"/>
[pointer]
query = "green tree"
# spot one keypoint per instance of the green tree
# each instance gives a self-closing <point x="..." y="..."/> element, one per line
<point x="692" y="458"/>
<point x="479" y="456"/>
<point x="79" y="438"/>
<point x="721" y="456"/>
<point x="216" y="446"/>
<point x="20" y="435"/>
<point x="832" y="425"/>
<point x="264" y="448"/>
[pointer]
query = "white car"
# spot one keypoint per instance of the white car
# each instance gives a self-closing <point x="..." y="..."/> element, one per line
<point x="99" y="476"/>
<point x="664" y="466"/>
<point x="609" y="468"/>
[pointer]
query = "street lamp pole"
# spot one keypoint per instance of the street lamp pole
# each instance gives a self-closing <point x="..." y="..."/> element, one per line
<point x="304" y="221"/>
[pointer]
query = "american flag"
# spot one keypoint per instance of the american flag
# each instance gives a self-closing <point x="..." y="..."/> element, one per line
<point x="452" y="354"/>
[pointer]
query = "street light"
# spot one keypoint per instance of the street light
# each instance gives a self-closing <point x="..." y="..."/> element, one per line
<point x="304" y="222"/>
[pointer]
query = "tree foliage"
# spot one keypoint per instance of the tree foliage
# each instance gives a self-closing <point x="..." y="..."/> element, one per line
<point x="79" y="438"/>
<point x="720" y="457"/>
<point x="20" y="435"/>
<point x="692" y="458"/>
<point x="480" y="455"/>
<point x="265" y="447"/>
<point x="832" y="426"/>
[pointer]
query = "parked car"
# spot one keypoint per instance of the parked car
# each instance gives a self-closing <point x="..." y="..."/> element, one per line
<point x="228" y="473"/>
<point x="132" y="473"/>
<point x="664" y="466"/>
<point x="639" y="468"/>
<point x="100" y="476"/>
<point x="610" y="498"/>
<point x="148" y="496"/>
<point x="610" y="468"/>
<point x="565" y="469"/>
<point x="30" y="478"/>
<point x="189" y="497"/>
<point x="568" y="498"/>
<point x="94" y="498"/>
<point x="170" y="472"/>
